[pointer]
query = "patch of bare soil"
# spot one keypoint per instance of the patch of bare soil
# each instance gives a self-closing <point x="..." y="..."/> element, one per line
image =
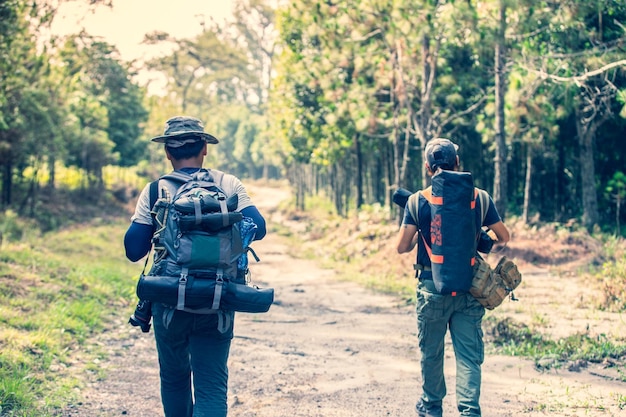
<point x="330" y="348"/>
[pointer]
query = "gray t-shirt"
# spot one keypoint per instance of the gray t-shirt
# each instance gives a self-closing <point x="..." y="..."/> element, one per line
<point x="229" y="183"/>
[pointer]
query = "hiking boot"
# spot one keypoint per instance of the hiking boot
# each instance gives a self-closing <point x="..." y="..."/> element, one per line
<point x="423" y="410"/>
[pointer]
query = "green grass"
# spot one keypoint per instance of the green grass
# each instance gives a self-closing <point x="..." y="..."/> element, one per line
<point x="610" y="278"/>
<point x="517" y="339"/>
<point x="60" y="290"/>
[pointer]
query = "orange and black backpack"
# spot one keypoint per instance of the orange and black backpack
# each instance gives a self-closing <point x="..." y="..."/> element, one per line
<point x="454" y="228"/>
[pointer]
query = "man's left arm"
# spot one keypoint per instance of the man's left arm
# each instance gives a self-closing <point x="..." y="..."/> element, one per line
<point x="407" y="236"/>
<point x="253" y="213"/>
<point x="493" y="222"/>
<point x="245" y="205"/>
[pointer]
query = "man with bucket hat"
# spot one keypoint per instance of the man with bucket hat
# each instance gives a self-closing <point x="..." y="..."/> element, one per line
<point x="440" y="306"/>
<point x="192" y="348"/>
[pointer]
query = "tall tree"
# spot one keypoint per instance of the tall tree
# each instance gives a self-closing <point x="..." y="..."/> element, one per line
<point x="254" y="28"/>
<point x="500" y="181"/>
<point x="200" y="68"/>
<point x="359" y="73"/>
<point x="106" y="104"/>
<point x="24" y="105"/>
<point x="581" y="49"/>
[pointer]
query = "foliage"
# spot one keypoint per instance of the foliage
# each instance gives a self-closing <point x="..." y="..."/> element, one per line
<point x="361" y="88"/>
<point x="222" y="77"/>
<point x="199" y="68"/>
<point x="610" y="276"/>
<point x="106" y="104"/>
<point x="616" y="191"/>
<point x="340" y="97"/>
<point x="61" y="100"/>
<point x="50" y="309"/>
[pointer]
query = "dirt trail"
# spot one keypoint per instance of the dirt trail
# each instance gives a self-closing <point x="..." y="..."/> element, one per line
<point x="329" y="348"/>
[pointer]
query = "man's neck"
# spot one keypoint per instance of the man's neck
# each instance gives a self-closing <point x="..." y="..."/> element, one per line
<point x="186" y="163"/>
<point x="189" y="170"/>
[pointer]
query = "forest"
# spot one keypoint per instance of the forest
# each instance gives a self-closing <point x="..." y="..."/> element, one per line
<point x="339" y="97"/>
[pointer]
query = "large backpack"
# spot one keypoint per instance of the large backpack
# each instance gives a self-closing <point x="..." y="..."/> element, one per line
<point x="200" y="243"/>
<point x="454" y="230"/>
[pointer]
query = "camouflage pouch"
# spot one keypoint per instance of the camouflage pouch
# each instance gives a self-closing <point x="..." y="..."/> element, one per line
<point x="508" y="272"/>
<point x="491" y="287"/>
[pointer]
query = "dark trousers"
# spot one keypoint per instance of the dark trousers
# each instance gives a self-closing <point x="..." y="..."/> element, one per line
<point x="462" y="315"/>
<point x="192" y="350"/>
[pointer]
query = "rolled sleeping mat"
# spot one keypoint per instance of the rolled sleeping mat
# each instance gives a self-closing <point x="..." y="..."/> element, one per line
<point x="206" y="202"/>
<point x="198" y="293"/>
<point x="401" y="196"/>
<point x="211" y="222"/>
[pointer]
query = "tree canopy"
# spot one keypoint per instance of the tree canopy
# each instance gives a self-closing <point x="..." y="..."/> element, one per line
<point x="339" y="97"/>
<point x="528" y="89"/>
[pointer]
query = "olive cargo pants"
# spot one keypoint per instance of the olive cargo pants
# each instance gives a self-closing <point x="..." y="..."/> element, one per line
<point x="462" y="314"/>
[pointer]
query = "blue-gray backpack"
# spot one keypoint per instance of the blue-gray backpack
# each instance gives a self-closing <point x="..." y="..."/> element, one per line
<point x="200" y="249"/>
<point x="454" y="228"/>
<point x="199" y="230"/>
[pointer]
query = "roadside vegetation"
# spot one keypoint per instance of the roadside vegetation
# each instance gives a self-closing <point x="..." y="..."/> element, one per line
<point x="59" y="289"/>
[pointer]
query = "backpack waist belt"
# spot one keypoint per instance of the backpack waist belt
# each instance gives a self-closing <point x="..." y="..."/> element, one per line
<point x="420" y="267"/>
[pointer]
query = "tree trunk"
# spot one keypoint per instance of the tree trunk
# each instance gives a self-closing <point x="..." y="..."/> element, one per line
<point x="51" y="172"/>
<point x="359" y="171"/>
<point x="618" y="208"/>
<point x="7" y="183"/>
<point x="500" y="186"/>
<point x="296" y="174"/>
<point x="586" y="136"/>
<point x="337" y="182"/>
<point x="428" y="73"/>
<point x="527" y="185"/>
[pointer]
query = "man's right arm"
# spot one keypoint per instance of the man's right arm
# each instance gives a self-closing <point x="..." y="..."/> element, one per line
<point x="138" y="241"/>
<point x="407" y="238"/>
<point x="138" y="237"/>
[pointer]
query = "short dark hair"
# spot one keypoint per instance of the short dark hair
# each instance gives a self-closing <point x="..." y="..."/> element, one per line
<point x="186" y="151"/>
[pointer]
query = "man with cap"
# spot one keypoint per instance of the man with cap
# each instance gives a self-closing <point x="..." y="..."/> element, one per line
<point x="436" y="313"/>
<point x="188" y="342"/>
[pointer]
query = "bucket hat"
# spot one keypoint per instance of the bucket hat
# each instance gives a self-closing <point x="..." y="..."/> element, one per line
<point x="181" y="130"/>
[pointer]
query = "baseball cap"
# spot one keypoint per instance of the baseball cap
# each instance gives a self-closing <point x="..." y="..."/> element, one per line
<point x="181" y="130"/>
<point x="440" y="153"/>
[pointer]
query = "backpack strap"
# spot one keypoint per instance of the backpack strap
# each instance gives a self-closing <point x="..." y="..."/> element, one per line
<point x="182" y="177"/>
<point x="413" y="207"/>
<point x="413" y="203"/>
<point x="154" y="193"/>
<point x="218" y="176"/>
<point x="484" y="204"/>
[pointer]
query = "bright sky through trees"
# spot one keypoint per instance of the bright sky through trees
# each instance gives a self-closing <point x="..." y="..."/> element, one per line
<point x="128" y="21"/>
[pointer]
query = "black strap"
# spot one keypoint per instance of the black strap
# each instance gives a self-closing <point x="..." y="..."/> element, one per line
<point x="154" y="192"/>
